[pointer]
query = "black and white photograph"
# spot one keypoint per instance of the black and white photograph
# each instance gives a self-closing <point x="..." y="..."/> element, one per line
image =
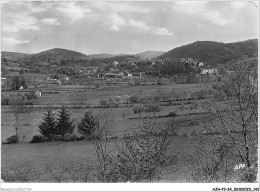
<point x="128" y="93"/>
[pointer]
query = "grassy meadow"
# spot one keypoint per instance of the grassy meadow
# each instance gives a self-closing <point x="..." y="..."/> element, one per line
<point x="31" y="162"/>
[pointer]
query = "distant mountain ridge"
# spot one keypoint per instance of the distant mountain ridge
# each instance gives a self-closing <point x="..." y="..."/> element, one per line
<point x="149" y="54"/>
<point x="214" y="53"/>
<point x="143" y="55"/>
<point x="209" y="52"/>
<point x="104" y="55"/>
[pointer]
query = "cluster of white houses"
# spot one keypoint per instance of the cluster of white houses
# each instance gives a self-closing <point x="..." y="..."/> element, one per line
<point x="123" y="75"/>
<point x="114" y="72"/>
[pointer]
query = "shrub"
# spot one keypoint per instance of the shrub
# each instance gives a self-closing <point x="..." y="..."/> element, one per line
<point x="79" y="138"/>
<point x="97" y="85"/>
<point x="219" y="96"/>
<point x="37" y="139"/>
<point x="10" y="140"/>
<point x="165" y="97"/>
<point x="103" y="102"/>
<point x="56" y="138"/>
<point x="30" y="95"/>
<point x="150" y="108"/>
<point x="216" y="86"/>
<point x="138" y="109"/>
<point x="69" y="137"/>
<point x="4" y="101"/>
<point x="134" y="99"/>
<point x="157" y="98"/>
<point x="202" y="94"/>
<point x="145" y="99"/>
<point x="193" y="133"/>
<point x="111" y="101"/>
<point x="172" y="114"/>
<point x="88" y="124"/>
<point x="131" y="83"/>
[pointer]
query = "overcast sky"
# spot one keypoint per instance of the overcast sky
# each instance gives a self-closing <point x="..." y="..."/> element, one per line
<point x="123" y="27"/>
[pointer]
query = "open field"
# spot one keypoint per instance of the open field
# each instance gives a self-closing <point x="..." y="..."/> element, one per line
<point x="28" y="162"/>
<point x="121" y="119"/>
<point x="80" y="94"/>
<point x="118" y="125"/>
<point x="15" y="159"/>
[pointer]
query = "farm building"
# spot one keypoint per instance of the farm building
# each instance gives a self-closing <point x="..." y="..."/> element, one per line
<point x="121" y="75"/>
<point x="38" y="93"/>
<point x="65" y="78"/>
<point x="230" y="72"/>
<point x="209" y="71"/>
<point x="141" y="74"/>
<point x="110" y="75"/>
<point x="3" y="83"/>
<point x="53" y="81"/>
<point x="112" y="70"/>
<point x="201" y="64"/>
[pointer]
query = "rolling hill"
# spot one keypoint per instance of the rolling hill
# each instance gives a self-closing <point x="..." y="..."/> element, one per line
<point x="149" y="54"/>
<point x="13" y="56"/>
<point x="209" y="52"/>
<point x="49" y="56"/>
<point x="214" y="53"/>
<point x="58" y="54"/>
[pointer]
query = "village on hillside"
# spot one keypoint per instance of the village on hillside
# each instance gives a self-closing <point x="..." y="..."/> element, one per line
<point x="126" y="70"/>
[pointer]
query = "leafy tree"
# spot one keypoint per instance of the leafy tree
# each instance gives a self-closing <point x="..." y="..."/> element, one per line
<point x="88" y="124"/>
<point x="48" y="124"/>
<point x="15" y="83"/>
<point x="21" y="72"/>
<point x="103" y="102"/>
<point x="65" y="70"/>
<point x="4" y="71"/>
<point x="55" y="76"/>
<point x="97" y="85"/>
<point x="4" y="60"/>
<point x="23" y="83"/>
<point x="64" y="124"/>
<point x="30" y="95"/>
<point x="4" y="100"/>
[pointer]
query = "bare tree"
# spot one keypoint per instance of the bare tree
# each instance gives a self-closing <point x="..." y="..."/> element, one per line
<point x="211" y="160"/>
<point x="236" y="117"/>
<point x="18" y="107"/>
<point x="142" y="154"/>
<point x="123" y="113"/>
<point x="97" y="85"/>
<point x="100" y="140"/>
